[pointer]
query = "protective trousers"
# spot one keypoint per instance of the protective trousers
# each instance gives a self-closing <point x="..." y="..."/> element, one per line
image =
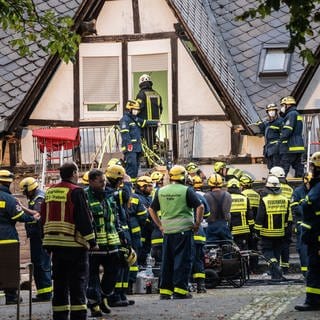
<point x="313" y="276"/>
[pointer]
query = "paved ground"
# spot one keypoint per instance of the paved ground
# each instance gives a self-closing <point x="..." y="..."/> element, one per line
<point x="261" y="302"/>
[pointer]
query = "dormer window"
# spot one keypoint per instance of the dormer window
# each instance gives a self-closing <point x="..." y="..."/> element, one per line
<point x="274" y="61"/>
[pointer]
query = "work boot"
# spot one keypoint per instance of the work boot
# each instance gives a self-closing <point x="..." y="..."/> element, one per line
<point x="104" y="306"/>
<point x="276" y="272"/>
<point x="201" y="288"/>
<point x="95" y="310"/>
<point x="182" y="296"/>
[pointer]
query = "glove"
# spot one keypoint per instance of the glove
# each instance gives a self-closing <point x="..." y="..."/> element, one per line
<point x="129" y="147"/>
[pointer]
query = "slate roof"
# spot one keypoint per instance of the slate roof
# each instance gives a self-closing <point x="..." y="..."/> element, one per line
<point x="234" y="47"/>
<point x="18" y="74"/>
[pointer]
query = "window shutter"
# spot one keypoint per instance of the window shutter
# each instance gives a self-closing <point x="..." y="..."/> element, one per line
<point x="101" y="80"/>
<point x="150" y="62"/>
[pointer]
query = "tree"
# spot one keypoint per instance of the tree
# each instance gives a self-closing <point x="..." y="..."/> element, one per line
<point x="303" y="16"/>
<point x="50" y="32"/>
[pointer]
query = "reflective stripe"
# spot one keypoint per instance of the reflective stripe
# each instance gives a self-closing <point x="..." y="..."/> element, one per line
<point x="136" y="229"/>
<point x="198" y="238"/>
<point x="125" y="284"/>
<point x="134" y="200"/>
<point x="313" y="290"/>
<point x="141" y="213"/>
<point x="44" y="290"/>
<point x="199" y="275"/>
<point x="61" y="308"/>
<point x="134" y="268"/>
<point x="304" y="268"/>
<point x="296" y="148"/>
<point x="166" y="291"/>
<point x="118" y="285"/>
<point x="288" y="127"/>
<point x="299" y="118"/>
<point x="180" y="291"/>
<point x="18" y="215"/>
<point x="2" y="204"/>
<point x="8" y="241"/>
<point x="157" y="241"/>
<point x="78" y="307"/>
<point x="307" y="226"/>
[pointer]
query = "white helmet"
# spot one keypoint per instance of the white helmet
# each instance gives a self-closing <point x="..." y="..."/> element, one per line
<point x="144" y="78"/>
<point x="278" y="172"/>
<point x="272" y="182"/>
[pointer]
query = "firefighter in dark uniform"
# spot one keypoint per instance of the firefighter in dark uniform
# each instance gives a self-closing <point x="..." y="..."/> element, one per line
<point x="176" y="202"/>
<point x="271" y="129"/>
<point x="291" y="140"/>
<point x="106" y="229"/>
<point x="286" y="191"/>
<point x="199" y="239"/>
<point x="39" y="257"/>
<point x="311" y="236"/>
<point x="241" y="215"/>
<point x="130" y="130"/>
<point x="151" y="108"/>
<point x="270" y="224"/>
<point x="246" y="182"/>
<point x="298" y="196"/>
<point x="11" y="212"/>
<point x="68" y="234"/>
<point x="220" y="204"/>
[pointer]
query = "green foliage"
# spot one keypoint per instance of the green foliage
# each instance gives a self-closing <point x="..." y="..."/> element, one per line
<point x="303" y="15"/>
<point x="46" y="30"/>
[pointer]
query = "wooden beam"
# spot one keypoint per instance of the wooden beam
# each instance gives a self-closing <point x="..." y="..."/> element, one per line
<point x="174" y="91"/>
<point x="136" y="16"/>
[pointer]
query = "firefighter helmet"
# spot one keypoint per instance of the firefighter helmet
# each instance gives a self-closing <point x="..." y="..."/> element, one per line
<point x="288" y="100"/>
<point x="233" y="183"/>
<point x="156" y="176"/>
<point x="315" y="159"/>
<point x="246" y="180"/>
<point x="144" y="78"/>
<point x="28" y="184"/>
<point x="133" y="104"/>
<point x="177" y="173"/>
<point x="278" y="172"/>
<point x="218" y="166"/>
<point x="271" y="106"/>
<point x="130" y="256"/>
<point x="115" y="171"/>
<point x="6" y="176"/>
<point x="85" y="178"/>
<point x="215" y="180"/>
<point x="197" y="182"/>
<point x="113" y="161"/>
<point x="272" y="181"/>
<point x="192" y="167"/>
<point x="144" y="181"/>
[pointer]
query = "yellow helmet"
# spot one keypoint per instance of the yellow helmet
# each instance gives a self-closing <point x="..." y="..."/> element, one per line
<point x="272" y="182"/>
<point x="271" y="106"/>
<point x="133" y="104"/>
<point x="113" y="161"/>
<point x="315" y="159"/>
<point x="218" y="166"/>
<point x="246" y="180"/>
<point x="156" y="176"/>
<point x="233" y="183"/>
<point x="177" y="173"/>
<point x="115" y="171"/>
<point x="6" y="176"/>
<point x="288" y="100"/>
<point x="28" y="184"/>
<point x="197" y="182"/>
<point x="215" y="180"/>
<point x="192" y="167"/>
<point x="85" y="178"/>
<point x="144" y="181"/>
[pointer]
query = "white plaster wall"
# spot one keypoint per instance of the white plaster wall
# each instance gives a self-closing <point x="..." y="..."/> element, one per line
<point x="116" y="17"/>
<point x="57" y="101"/>
<point x="311" y="97"/>
<point x="194" y="95"/>
<point x="27" y="154"/>
<point x="212" y="139"/>
<point x="156" y="16"/>
<point x="253" y="145"/>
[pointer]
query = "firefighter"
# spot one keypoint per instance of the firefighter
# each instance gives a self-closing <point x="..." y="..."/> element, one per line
<point x="199" y="239"/>
<point x="286" y="191"/>
<point x="227" y="172"/>
<point x="130" y="130"/>
<point x="246" y="182"/>
<point x="176" y="202"/>
<point x="106" y="229"/>
<point x="311" y="236"/>
<point x="119" y="187"/>
<point x="151" y="108"/>
<point x="220" y="204"/>
<point x="68" y="234"/>
<point x="39" y="257"/>
<point x="193" y="170"/>
<point x="11" y="212"/>
<point x="298" y="196"/>
<point x="270" y="224"/>
<point x="241" y="215"/>
<point x="84" y="182"/>
<point x="291" y="140"/>
<point x="271" y="129"/>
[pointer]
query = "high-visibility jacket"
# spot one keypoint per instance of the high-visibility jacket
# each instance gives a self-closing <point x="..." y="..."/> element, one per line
<point x="64" y="226"/>
<point x="272" y="215"/>
<point x="241" y="216"/>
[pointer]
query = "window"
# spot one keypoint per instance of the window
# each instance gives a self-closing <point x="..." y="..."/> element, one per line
<point x="274" y="61"/>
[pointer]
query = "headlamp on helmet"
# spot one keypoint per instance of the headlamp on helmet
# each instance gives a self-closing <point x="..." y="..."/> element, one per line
<point x="115" y="172"/>
<point x="144" y="78"/>
<point x="113" y="161"/>
<point x="192" y="167"/>
<point x="271" y="106"/>
<point x="272" y="182"/>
